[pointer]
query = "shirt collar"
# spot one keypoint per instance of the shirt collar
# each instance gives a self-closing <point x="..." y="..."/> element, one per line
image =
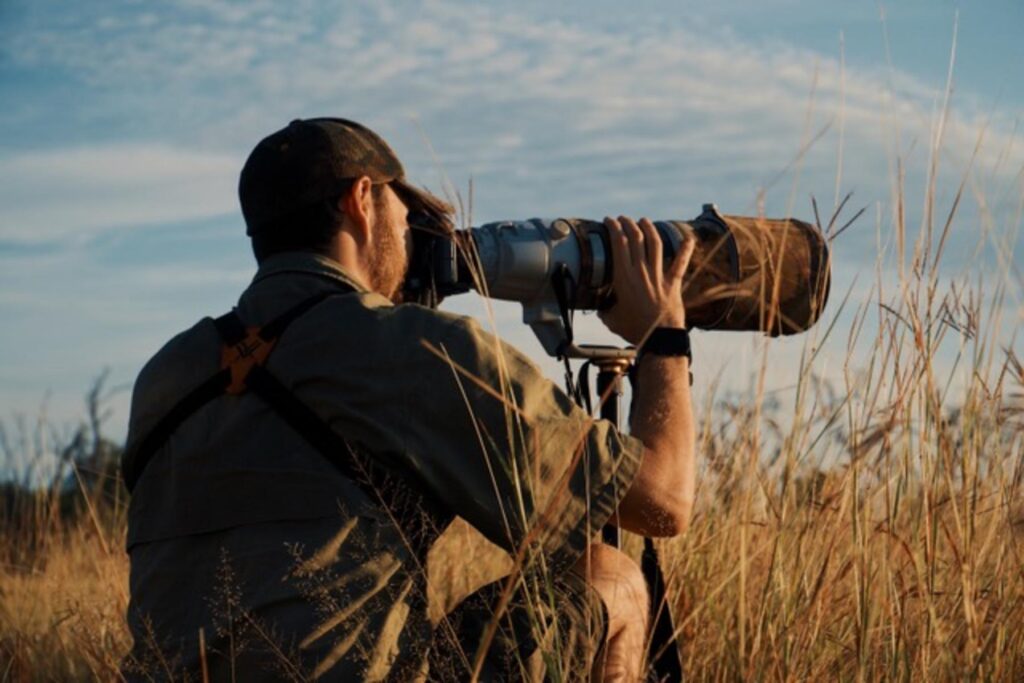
<point x="307" y="263"/>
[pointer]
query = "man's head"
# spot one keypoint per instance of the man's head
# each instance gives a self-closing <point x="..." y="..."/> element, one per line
<point x="334" y="187"/>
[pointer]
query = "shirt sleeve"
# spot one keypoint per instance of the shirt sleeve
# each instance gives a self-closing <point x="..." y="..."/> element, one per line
<point x="503" y="447"/>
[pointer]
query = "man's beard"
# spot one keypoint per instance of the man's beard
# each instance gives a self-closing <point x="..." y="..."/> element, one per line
<point x="388" y="261"/>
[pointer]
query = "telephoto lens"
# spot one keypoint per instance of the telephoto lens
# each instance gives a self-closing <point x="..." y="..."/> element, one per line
<point x="747" y="273"/>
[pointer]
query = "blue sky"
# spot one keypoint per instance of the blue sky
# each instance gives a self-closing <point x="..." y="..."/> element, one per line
<point x="125" y="124"/>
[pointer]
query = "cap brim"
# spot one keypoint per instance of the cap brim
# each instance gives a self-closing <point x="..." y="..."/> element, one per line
<point x="426" y="211"/>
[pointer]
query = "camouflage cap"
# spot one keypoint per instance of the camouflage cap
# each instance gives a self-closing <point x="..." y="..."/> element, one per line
<point x="309" y="161"/>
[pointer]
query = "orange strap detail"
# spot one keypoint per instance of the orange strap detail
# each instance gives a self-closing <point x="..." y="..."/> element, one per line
<point x="241" y="357"/>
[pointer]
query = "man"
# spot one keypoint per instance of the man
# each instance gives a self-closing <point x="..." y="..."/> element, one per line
<point x="291" y="463"/>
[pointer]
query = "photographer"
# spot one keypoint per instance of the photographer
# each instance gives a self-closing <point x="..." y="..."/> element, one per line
<point x="292" y="463"/>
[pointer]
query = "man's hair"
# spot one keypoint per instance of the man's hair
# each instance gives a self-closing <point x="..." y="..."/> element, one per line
<point x="312" y="228"/>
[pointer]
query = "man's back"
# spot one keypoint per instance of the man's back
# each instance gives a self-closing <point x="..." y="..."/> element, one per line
<point x="225" y="516"/>
<point x="241" y="528"/>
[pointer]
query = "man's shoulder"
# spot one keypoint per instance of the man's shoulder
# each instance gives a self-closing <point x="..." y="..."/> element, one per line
<point x="403" y="336"/>
<point x="186" y="359"/>
<point x="463" y="340"/>
<point x="377" y="321"/>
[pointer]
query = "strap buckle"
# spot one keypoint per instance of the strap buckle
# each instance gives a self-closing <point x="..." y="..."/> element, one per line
<point x="242" y="356"/>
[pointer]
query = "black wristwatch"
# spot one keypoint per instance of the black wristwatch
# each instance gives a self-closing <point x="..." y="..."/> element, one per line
<point x="667" y="341"/>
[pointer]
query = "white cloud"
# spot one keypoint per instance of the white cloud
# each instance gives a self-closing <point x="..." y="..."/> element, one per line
<point x="582" y="105"/>
<point x="74" y="193"/>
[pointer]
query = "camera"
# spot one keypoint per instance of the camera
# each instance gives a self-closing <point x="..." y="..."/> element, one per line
<point x="747" y="273"/>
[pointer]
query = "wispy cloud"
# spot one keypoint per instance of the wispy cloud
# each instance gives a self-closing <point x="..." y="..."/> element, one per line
<point x="520" y="104"/>
<point x="73" y="193"/>
<point x="160" y="103"/>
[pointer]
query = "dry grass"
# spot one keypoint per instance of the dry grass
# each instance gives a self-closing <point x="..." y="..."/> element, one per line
<point x="875" y="532"/>
<point x="62" y="615"/>
<point x="901" y="561"/>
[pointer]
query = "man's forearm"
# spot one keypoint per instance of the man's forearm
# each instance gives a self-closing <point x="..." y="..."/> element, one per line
<point x="649" y="295"/>
<point x="662" y="418"/>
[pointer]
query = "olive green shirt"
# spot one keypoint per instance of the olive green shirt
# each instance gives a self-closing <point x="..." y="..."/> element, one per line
<point x="240" y="529"/>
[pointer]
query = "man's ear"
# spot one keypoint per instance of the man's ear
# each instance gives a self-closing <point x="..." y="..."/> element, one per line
<point x="357" y="204"/>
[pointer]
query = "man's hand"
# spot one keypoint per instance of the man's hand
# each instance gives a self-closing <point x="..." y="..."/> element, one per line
<point x="646" y="294"/>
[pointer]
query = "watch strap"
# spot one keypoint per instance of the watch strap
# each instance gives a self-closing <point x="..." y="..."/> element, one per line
<point x="668" y="341"/>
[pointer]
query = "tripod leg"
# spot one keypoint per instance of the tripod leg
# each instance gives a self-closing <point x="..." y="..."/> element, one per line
<point x="609" y="389"/>
<point x="663" y="651"/>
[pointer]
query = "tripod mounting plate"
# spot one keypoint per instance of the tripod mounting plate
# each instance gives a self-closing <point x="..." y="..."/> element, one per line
<point x="599" y="353"/>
